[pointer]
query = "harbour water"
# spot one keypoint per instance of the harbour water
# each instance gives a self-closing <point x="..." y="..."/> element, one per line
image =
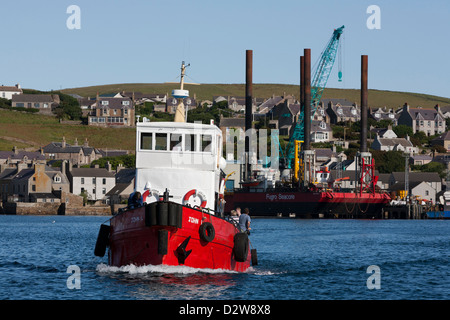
<point x="43" y="257"/>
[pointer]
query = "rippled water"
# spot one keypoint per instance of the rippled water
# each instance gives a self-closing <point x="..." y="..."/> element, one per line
<point x="298" y="259"/>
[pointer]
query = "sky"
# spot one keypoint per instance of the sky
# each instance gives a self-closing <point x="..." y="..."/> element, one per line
<point x="144" y="41"/>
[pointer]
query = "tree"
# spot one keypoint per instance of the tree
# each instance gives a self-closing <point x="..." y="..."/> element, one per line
<point x="389" y="161"/>
<point x="403" y="130"/>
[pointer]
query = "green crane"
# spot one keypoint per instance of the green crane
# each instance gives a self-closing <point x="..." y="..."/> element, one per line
<point x="318" y="84"/>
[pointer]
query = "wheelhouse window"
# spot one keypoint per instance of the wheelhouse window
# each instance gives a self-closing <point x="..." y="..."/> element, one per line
<point x="147" y="141"/>
<point x="160" y="141"/>
<point x="190" y="142"/>
<point x="206" y="142"/>
<point x="176" y="142"/>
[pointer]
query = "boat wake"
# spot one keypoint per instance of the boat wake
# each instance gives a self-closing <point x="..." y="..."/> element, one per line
<point x="157" y="269"/>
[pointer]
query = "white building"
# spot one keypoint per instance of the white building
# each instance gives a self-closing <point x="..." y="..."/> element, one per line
<point x="6" y="92"/>
<point x="96" y="182"/>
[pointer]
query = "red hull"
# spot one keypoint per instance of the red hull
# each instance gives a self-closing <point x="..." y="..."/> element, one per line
<point x="307" y="203"/>
<point x="137" y="239"/>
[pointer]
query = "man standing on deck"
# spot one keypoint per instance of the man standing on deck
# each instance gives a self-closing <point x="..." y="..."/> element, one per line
<point x="244" y="221"/>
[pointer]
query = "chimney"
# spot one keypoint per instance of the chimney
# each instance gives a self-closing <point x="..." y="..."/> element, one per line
<point x="21" y="166"/>
<point x="63" y="142"/>
<point x="18" y="86"/>
<point x="406" y="107"/>
<point x="63" y="167"/>
<point x="16" y="151"/>
<point x="108" y="166"/>
<point x="119" y="167"/>
<point x="86" y="143"/>
<point x="76" y="142"/>
<point x="438" y="108"/>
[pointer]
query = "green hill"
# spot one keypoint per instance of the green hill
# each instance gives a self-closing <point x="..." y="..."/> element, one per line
<point x="31" y="131"/>
<point x="377" y="98"/>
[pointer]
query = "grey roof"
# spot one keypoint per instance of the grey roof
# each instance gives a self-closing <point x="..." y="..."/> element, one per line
<point x="395" y="141"/>
<point x="7" y="173"/>
<point x="417" y="176"/>
<point x="423" y="114"/>
<point x="125" y="175"/>
<point x="24" y="174"/>
<point x="270" y="103"/>
<point x="232" y="122"/>
<point x="113" y="103"/>
<point x="21" y="155"/>
<point x="333" y="101"/>
<point x="91" y="172"/>
<point x="112" y="153"/>
<point x="444" y="136"/>
<point x="32" y="98"/>
<point x="316" y="126"/>
<point x="56" y="147"/>
<point x="401" y="185"/>
<point x="117" y="189"/>
<point x="10" y="89"/>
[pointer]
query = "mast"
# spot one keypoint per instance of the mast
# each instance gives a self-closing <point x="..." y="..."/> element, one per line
<point x="180" y="94"/>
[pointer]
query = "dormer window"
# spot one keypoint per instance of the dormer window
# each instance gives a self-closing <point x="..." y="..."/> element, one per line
<point x="125" y="103"/>
<point x="339" y="111"/>
<point x="105" y="102"/>
<point x="354" y="111"/>
<point x="57" y="179"/>
<point x="377" y="115"/>
<point x="322" y="125"/>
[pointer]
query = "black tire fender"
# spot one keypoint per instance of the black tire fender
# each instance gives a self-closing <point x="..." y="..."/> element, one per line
<point x="207" y="231"/>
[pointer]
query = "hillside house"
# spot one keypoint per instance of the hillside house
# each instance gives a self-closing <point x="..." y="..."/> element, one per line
<point x="384" y="114"/>
<point x="78" y="155"/>
<point x="394" y="144"/>
<point x="95" y="182"/>
<point x="37" y="183"/>
<point x="44" y="102"/>
<point x="321" y="131"/>
<point x="432" y="178"/>
<point x="429" y="121"/>
<point x="443" y="140"/>
<point x="341" y="110"/>
<point x="15" y="156"/>
<point x="6" y="92"/>
<point x="172" y="103"/>
<point x="419" y="190"/>
<point x="112" y="111"/>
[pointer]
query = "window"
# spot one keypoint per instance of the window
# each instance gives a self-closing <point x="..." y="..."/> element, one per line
<point x="125" y="103"/>
<point x="160" y="141"/>
<point x="104" y="191"/>
<point x="125" y="111"/>
<point x="147" y="141"/>
<point x="105" y="111"/>
<point x="33" y="187"/>
<point x="82" y="181"/>
<point x="427" y="193"/>
<point x="190" y="142"/>
<point x="105" y="103"/>
<point x="57" y="179"/>
<point x="206" y="143"/>
<point x="175" y="142"/>
<point x="104" y="180"/>
<point x="94" y="180"/>
<point x="37" y="105"/>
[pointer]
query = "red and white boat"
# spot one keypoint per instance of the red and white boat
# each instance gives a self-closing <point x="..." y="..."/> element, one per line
<point x="178" y="172"/>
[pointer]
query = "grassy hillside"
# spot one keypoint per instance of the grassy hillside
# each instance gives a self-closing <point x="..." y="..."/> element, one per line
<point x="31" y="131"/>
<point x="377" y="98"/>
